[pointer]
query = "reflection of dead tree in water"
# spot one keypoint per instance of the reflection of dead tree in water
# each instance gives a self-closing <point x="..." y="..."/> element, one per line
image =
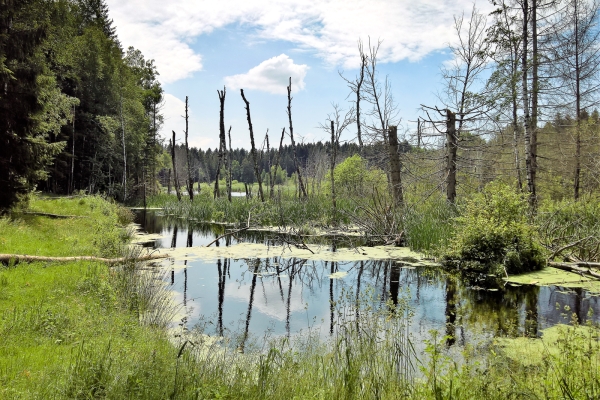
<point x="250" y="303"/>
<point x="358" y="280"/>
<point x="451" y="300"/>
<point x="289" y="298"/>
<point x="331" y="301"/>
<point x="221" y="286"/>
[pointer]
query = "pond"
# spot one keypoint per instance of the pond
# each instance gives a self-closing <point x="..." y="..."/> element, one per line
<point x="281" y="295"/>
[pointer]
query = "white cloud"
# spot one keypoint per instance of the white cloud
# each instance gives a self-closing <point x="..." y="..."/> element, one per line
<point x="173" y="110"/>
<point x="410" y="29"/>
<point x="271" y="76"/>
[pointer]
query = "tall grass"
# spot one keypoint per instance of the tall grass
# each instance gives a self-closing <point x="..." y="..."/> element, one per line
<point x="429" y="225"/>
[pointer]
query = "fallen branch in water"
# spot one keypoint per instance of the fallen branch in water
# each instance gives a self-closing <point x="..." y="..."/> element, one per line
<point x="228" y="234"/>
<point x="574" y="267"/>
<point x="27" y="258"/>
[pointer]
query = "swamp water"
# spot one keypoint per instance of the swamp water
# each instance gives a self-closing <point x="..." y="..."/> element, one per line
<point x="243" y="289"/>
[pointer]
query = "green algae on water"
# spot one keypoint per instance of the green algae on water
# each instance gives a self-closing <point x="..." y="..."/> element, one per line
<point x="550" y="276"/>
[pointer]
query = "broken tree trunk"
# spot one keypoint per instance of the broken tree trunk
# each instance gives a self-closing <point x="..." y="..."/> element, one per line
<point x="190" y="179"/>
<point x="277" y="156"/>
<point x="269" y="162"/>
<point x="332" y="168"/>
<point x="301" y="187"/>
<point x="176" y="180"/>
<point x="222" y="145"/>
<point x="452" y="144"/>
<point x="253" y="149"/>
<point x="395" y="166"/>
<point x="229" y="173"/>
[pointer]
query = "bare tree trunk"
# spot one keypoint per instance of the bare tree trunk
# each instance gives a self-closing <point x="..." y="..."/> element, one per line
<point x="222" y="146"/>
<point x="363" y="64"/>
<point x="332" y="168"/>
<point x="534" y="94"/>
<point x="395" y="166"/>
<point x="169" y="182"/>
<point x="452" y="144"/>
<point x="269" y="163"/>
<point x="176" y="180"/>
<point x="229" y="156"/>
<point x="73" y="156"/>
<point x="577" y="106"/>
<point x="190" y="180"/>
<point x="124" y="152"/>
<point x="296" y="164"/>
<point x="277" y="156"/>
<point x="526" y="109"/>
<point x="253" y="149"/>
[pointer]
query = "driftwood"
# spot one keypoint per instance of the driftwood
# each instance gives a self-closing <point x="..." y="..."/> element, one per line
<point x="577" y="268"/>
<point x="27" y="258"/>
<point x="56" y="216"/>
<point x="227" y="234"/>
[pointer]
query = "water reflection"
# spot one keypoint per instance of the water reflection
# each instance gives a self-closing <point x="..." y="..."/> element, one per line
<point x="247" y="296"/>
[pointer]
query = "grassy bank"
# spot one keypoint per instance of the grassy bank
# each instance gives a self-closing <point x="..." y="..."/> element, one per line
<point x="78" y="329"/>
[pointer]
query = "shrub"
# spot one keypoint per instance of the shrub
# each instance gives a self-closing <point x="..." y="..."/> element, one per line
<point x="493" y="234"/>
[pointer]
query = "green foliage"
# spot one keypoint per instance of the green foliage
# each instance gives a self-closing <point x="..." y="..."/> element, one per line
<point x="493" y="234"/>
<point x="353" y="177"/>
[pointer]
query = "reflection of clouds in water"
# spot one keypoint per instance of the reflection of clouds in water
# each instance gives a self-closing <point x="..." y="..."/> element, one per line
<point x="267" y="296"/>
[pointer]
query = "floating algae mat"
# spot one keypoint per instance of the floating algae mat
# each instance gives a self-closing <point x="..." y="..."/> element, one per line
<point x="556" y="277"/>
<point x="316" y="253"/>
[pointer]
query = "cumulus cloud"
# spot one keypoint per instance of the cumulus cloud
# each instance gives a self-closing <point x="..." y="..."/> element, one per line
<point x="271" y="76"/>
<point x="330" y="28"/>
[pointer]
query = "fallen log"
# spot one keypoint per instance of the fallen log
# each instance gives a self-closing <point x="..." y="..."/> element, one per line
<point x="575" y="268"/>
<point x="55" y="216"/>
<point x="27" y="258"/>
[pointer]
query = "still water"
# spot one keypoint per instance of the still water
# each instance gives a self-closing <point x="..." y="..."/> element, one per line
<point x="281" y="295"/>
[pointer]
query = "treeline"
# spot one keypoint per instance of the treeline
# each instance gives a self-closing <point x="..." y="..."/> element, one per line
<point x="314" y="160"/>
<point x="77" y="111"/>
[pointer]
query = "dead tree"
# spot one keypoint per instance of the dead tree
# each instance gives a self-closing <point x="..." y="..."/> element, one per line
<point x="302" y="189"/>
<point x="222" y="146"/>
<point x="276" y="163"/>
<point x="355" y="87"/>
<point x="253" y="149"/>
<point x="334" y="144"/>
<point x="452" y="143"/>
<point x="190" y="180"/>
<point x="176" y="180"/>
<point x="529" y="136"/>
<point x="269" y="160"/>
<point x="337" y="125"/>
<point x="229" y="174"/>
<point x="395" y="166"/>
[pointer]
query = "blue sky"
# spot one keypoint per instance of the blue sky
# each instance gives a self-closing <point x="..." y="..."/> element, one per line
<point x="200" y="46"/>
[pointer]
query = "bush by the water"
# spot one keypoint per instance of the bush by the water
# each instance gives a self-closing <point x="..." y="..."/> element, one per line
<point x="493" y="234"/>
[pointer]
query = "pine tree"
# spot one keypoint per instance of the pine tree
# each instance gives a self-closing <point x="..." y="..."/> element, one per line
<point x="24" y="151"/>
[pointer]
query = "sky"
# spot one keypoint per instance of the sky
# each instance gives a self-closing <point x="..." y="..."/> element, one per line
<point x="202" y="46"/>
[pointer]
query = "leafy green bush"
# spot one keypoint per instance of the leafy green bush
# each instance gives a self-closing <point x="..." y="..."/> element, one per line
<point x="493" y="234"/>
